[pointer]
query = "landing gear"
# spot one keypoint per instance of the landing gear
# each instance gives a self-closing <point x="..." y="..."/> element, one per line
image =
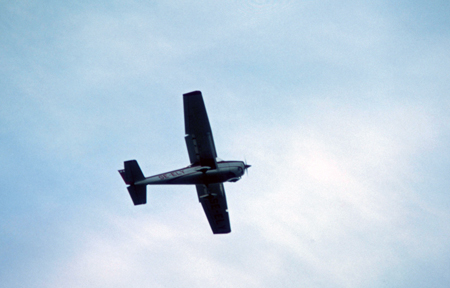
<point x="207" y="194"/>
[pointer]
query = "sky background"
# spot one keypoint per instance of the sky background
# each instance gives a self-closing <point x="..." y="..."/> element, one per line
<point x="341" y="107"/>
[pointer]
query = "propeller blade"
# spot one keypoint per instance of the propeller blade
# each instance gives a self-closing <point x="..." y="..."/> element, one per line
<point x="246" y="166"/>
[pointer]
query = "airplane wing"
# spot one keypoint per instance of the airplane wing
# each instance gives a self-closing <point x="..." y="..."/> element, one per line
<point x="214" y="203"/>
<point x="199" y="138"/>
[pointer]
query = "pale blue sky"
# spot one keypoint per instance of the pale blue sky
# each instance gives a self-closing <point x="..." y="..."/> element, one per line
<point x="341" y="107"/>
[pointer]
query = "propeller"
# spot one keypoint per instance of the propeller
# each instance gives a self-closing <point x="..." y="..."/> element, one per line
<point x="246" y="166"/>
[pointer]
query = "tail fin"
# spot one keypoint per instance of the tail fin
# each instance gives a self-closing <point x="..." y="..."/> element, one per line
<point x="131" y="174"/>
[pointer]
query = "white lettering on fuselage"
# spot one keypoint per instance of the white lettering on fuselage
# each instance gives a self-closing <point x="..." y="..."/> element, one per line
<point x="171" y="174"/>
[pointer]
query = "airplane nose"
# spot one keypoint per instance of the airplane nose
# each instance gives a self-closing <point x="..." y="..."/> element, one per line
<point x="246" y="166"/>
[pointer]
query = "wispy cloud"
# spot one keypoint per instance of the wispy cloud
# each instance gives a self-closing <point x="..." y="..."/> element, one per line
<point x="341" y="108"/>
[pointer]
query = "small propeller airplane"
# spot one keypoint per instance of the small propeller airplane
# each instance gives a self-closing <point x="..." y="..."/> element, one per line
<point x="206" y="172"/>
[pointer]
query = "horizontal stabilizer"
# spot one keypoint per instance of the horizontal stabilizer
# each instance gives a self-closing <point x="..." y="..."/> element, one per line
<point x="132" y="172"/>
<point x="138" y="194"/>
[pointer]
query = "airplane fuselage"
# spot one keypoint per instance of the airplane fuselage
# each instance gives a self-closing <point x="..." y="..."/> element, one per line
<point x="206" y="171"/>
<point x="230" y="171"/>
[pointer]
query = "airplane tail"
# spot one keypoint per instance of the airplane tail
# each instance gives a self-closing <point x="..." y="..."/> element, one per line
<point x="131" y="174"/>
<point x="138" y="194"/>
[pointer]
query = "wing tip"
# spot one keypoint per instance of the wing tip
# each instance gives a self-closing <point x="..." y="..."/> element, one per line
<point x="196" y="92"/>
<point x="222" y="231"/>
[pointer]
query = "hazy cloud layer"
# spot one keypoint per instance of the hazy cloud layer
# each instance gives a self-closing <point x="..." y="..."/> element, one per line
<point x="340" y="107"/>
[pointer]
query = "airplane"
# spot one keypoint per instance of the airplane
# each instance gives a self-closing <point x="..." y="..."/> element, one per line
<point x="206" y="171"/>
